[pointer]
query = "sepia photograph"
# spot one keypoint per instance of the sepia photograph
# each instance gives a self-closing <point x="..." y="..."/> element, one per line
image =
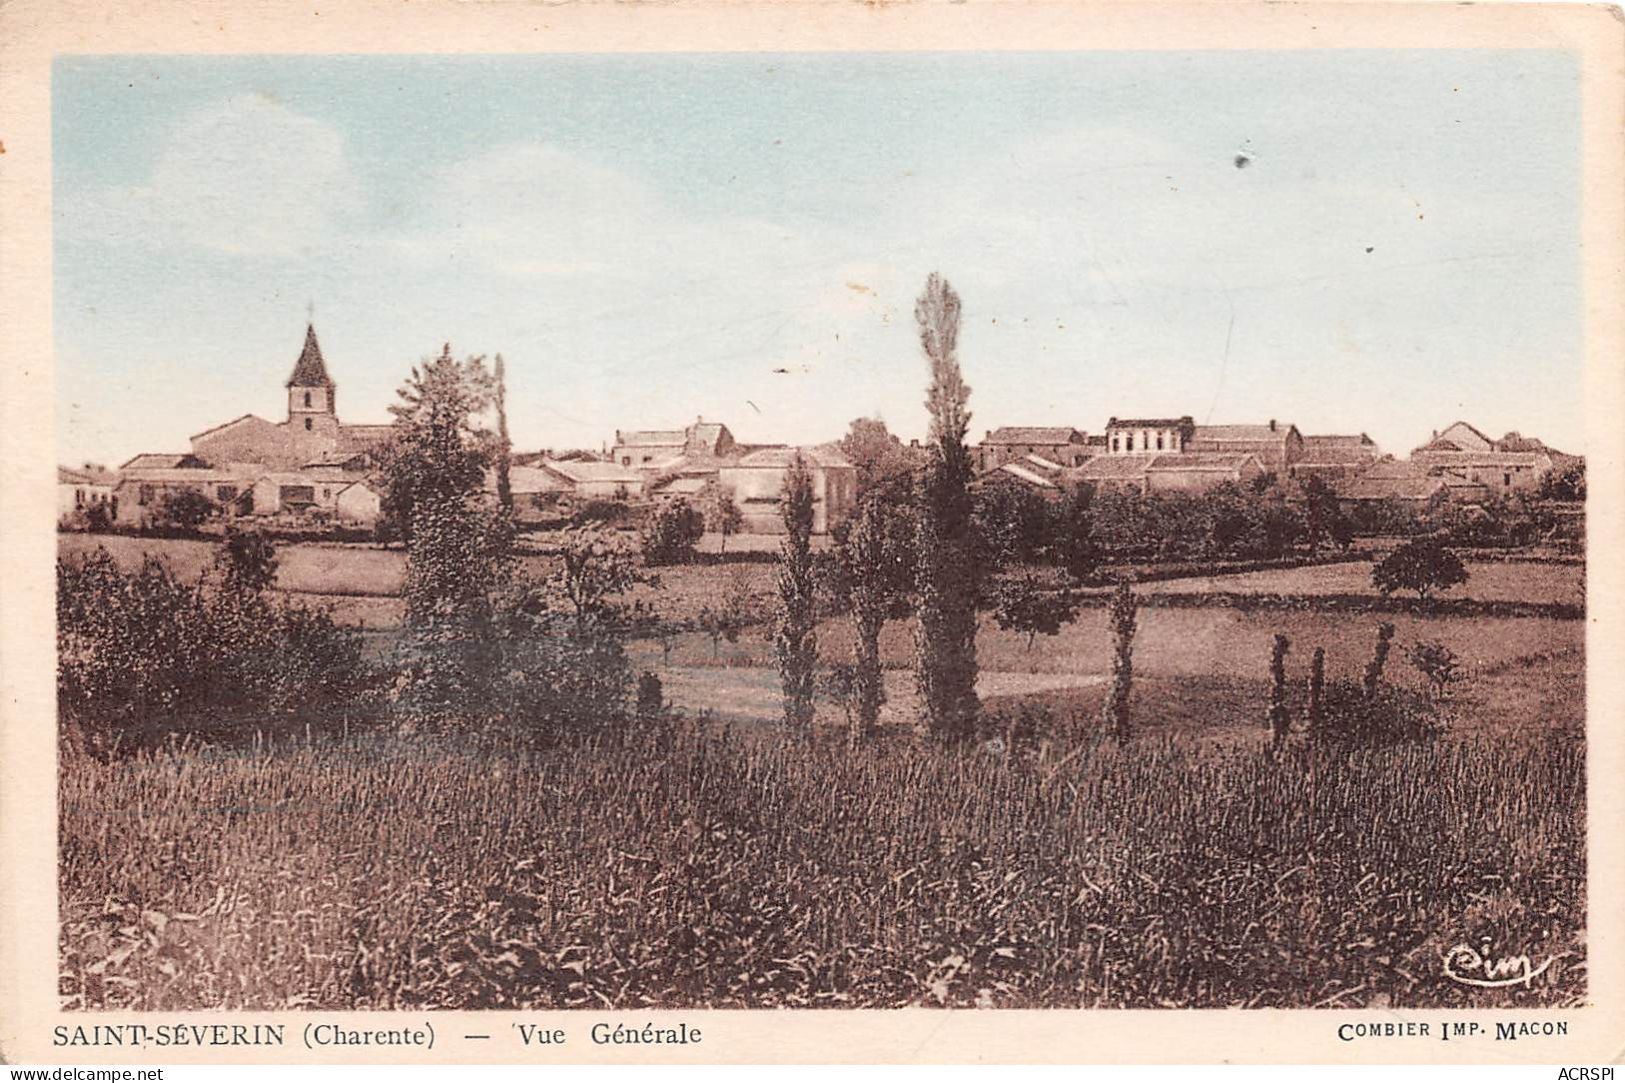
<point x="632" y="531"/>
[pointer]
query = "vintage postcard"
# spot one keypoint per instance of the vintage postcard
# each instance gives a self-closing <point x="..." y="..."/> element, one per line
<point x="836" y="532"/>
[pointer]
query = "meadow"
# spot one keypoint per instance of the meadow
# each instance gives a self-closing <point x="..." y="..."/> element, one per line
<point x="701" y="870"/>
<point x="710" y="861"/>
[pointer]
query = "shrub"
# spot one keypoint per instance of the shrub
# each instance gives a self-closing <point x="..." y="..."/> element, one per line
<point x="671" y="533"/>
<point x="1438" y="663"/>
<point x="248" y="560"/>
<point x="186" y="509"/>
<point x="1389" y="716"/>
<point x="141" y="651"/>
<point x="1424" y="565"/>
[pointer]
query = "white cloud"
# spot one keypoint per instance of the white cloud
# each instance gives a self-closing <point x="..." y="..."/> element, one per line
<point x="247" y="176"/>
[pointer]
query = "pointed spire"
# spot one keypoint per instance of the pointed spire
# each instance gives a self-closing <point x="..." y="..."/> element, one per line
<point x="310" y="371"/>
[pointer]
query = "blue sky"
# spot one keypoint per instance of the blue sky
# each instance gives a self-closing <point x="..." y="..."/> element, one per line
<point x="651" y="238"/>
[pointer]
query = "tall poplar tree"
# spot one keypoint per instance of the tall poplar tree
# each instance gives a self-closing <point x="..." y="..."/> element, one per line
<point x="796" y="646"/>
<point x="945" y="581"/>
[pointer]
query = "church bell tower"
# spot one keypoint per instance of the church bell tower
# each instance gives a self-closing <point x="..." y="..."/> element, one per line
<point x="310" y="392"/>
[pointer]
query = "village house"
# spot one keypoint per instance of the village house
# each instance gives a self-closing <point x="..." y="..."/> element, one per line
<point x="1277" y="446"/>
<point x="549" y="482"/>
<point x="652" y="449"/>
<point x="1063" y="445"/>
<point x="1513" y="463"/>
<point x="1184" y="472"/>
<point x="1149" y="436"/>
<point x="1331" y="457"/>
<point x="79" y="490"/>
<point x="756" y="482"/>
<point x="140" y="494"/>
<point x="1031" y="471"/>
<point x="1407" y="484"/>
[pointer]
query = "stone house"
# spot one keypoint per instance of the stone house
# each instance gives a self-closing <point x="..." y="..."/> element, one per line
<point x="79" y="490"/>
<point x="651" y="449"/>
<point x="1277" y="446"/>
<point x="1514" y="463"/>
<point x="1063" y="445"/>
<point x="1149" y="436"/>
<point x="756" y="481"/>
<point x="1330" y="457"/>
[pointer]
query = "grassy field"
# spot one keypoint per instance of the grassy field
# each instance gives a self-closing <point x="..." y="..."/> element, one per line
<point x="691" y="871"/>
<point x="1488" y="581"/>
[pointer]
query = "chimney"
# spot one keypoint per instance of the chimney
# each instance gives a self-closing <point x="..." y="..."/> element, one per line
<point x="1272" y="424"/>
<point x="989" y="435"/>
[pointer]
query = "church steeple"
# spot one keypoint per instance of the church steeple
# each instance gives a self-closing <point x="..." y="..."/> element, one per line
<point x="311" y="390"/>
<point x="310" y="370"/>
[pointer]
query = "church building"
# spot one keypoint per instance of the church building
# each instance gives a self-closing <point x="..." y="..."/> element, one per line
<point x="312" y="435"/>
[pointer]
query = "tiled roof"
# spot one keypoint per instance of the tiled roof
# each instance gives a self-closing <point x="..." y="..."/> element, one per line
<point x="1031" y="477"/>
<point x="1113" y="467"/>
<point x="578" y="470"/>
<point x="155" y="460"/>
<point x="310" y="370"/>
<point x="1201" y="460"/>
<point x="1397" y="488"/>
<point x="652" y="438"/>
<point x="228" y="424"/>
<point x="1222" y="434"/>
<point x="1034" y="434"/>
<point x="780" y="457"/>
<point x="67" y="475"/>
<point x="1150" y="422"/>
<point x="1327" y="440"/>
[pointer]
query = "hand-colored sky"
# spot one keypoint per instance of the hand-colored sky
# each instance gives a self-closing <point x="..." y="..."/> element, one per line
<point x="1362" y="240"/>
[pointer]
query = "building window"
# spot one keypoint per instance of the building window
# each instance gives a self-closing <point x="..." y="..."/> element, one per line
<point x="144" y="495"/>
<point x="307" y="424"/>
<point x="1114" y="443"/>
<point x="626" y="460"/>
<point x="1159" y="441"/>
<point x="1506" y="479"/>
<point x="307" y="400"/>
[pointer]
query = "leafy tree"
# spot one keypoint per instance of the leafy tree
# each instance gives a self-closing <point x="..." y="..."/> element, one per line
<point x="1120" y="615"/>
<point x="876" y="455"/>
<point x="946" y="575"/>
<point x="187" y="509"/>
<point x="870" y="557"/>
<point x="504" y="450"/>
<point x="1015" y="523"/>
<point x="796" y="645"/>
<point x="596" y="567"/>
<point x="1073" y="546"/>
<point x="727" y="620"/>
<point x="1280" y="720"/>
<point x="248" y="560"/>
<point x="1324" y="521"/>
<point x="1566" y="481"/>
<point x="458" y="544"/>
<point x="672" y="532"/>
<point x="1372" y="680"/>
<point x="438" y="448"/>
<point x="1024" y="606"/>
<point x="1424" y="565"/>
<point x="723" y="516"/>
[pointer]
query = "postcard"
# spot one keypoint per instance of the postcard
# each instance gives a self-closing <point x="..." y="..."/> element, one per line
<point x="811" y="532"/>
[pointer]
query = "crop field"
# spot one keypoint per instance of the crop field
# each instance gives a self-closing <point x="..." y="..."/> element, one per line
<point x="681" y="870"/>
